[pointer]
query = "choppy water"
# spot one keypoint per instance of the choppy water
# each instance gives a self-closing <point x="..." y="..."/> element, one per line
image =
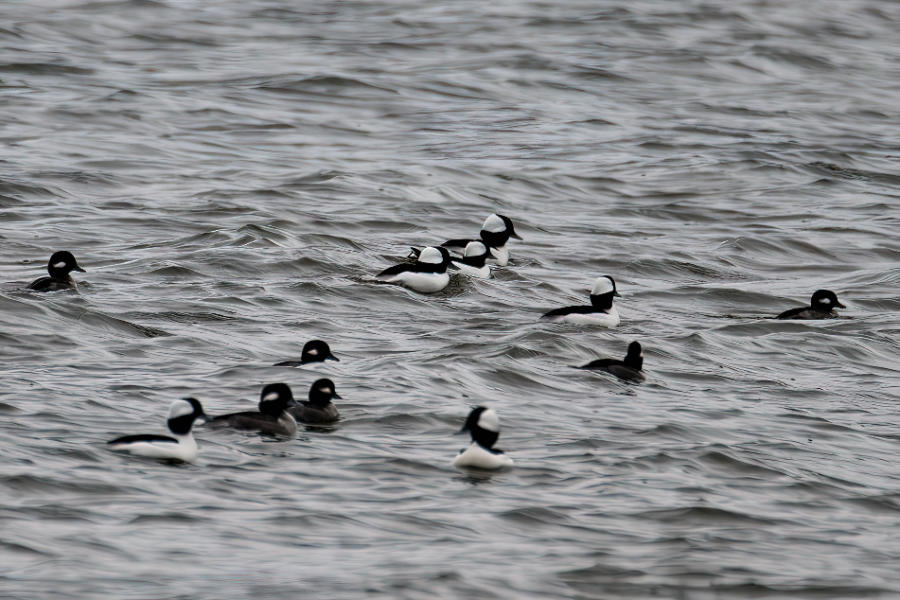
<point x="231" y="174"/>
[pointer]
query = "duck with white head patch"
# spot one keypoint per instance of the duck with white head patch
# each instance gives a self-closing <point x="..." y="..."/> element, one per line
<point x="272" y="418"/>
<point x="821" y="306"/>
<point x="600" y="312"/>
<point x="313" y="351"/>
<point x="319" y="408"/>
<point x="427" y="275"/>
<point x="495" y="233"/>
<point x="629" y="369"/>
<point x="60" y="265"/>
<point x="474" y="261"/>
<point x="180" y="446"/>
<point x="484" y="427"/>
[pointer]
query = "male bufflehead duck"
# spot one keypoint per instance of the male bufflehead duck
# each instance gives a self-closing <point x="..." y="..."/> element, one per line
<point x="427" y="275"/>
<point x="629" y="369"/>
<point x="272" y="417"/>
<point x="318" y="409"/>
<point x="495" y="233"/>
<point x="61" y="264"/>
<point x="313" y="351"/>
<point x="473" y="262"/>
<point x="600" y="312"/>
<point x="484" y="427"/>
<point x="181" y="447"/>
<point x="821" y="306"/>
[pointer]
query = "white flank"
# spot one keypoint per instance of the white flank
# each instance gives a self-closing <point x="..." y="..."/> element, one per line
<point x="426" y="283"/>
<point x="476" y="457"/>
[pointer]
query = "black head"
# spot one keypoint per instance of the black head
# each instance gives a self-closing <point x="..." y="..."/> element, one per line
<point x="634" y="358"/>
<point x="825" y="300"/>
<point x="603" y="292"/>
<point x="183" y="413"/>
<point x="483" y="425"/>
<point x="274" y="398"/>
<point x="321" y="392"/>
<point x="61" y="264"/>
<point x="509" y="227"/>
<point x="316" y="351"/>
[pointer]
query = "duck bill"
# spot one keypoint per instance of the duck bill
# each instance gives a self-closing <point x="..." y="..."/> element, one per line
<point x="336" y="395"/>
<point x="839" y="305"/>
<point x="515" y="235"/>
<point x="332" y="357"/>
<point x="79" y="269"/>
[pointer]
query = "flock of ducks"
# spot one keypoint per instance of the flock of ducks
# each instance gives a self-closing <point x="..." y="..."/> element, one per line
<point x="278" y="413"/>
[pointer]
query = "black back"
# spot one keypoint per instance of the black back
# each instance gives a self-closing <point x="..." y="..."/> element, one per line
<point x="420" y="267"/>
<point x="143" y="437"/>
<point x="573" y="310"/>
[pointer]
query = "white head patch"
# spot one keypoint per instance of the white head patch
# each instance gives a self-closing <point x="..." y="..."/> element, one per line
<point x="489" y="420"/>
<point x="312" y="351"/>
<point x="475" y="249"/>
<point x="602" y="286"/>
<point x="59" y="265"/>
<point x="431" y="255"/>
<point x="271" y="396"/>
<point x="180" y="408"/>
<point x="494" y="224"/>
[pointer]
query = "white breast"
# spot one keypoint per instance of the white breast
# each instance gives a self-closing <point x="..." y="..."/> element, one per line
<point x="483" y="273"/>
<point x="500" y="256"/>
<point x="596" y="319"/>
<point x="185" y="450"/>
<point x="477" y="457"/>
<point x="421" y="282"/>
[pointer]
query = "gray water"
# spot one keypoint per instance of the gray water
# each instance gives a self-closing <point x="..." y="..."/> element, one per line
<point x="231" y="174"/>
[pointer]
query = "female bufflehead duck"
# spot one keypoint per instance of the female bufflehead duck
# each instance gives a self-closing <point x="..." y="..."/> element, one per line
<point x="484" y="427"/>
<point x="181" y="447"/>
<point x="473" y="261"/>
<point x="272" y="418"/>
<point x="313" y="351"/>
<point x="600" y="312"/>
<point x="427" y="275"/>
<point x="61" y="264"/>
<point x="495" y="233"/>
<point x="821" y="306"/>
<point x="629" y="369"/>
<point x="318" y="409"/>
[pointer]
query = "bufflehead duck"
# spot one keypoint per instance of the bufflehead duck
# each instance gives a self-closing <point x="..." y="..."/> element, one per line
<point x="629" y="369"/>
<point x="821" y="306"/>
<point x="473" y="261"/>
<point x="318" y="409"/>
<point x="313" y="351"/>
<point x="427" y="275"/>
<point x="181" y="447"/>
<point x="600" y="312"/>
<point x="495" y="233"/>
<point x="61" y="264"/>
<point x="272" y="417"/>
<point x="484" y="427"/>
